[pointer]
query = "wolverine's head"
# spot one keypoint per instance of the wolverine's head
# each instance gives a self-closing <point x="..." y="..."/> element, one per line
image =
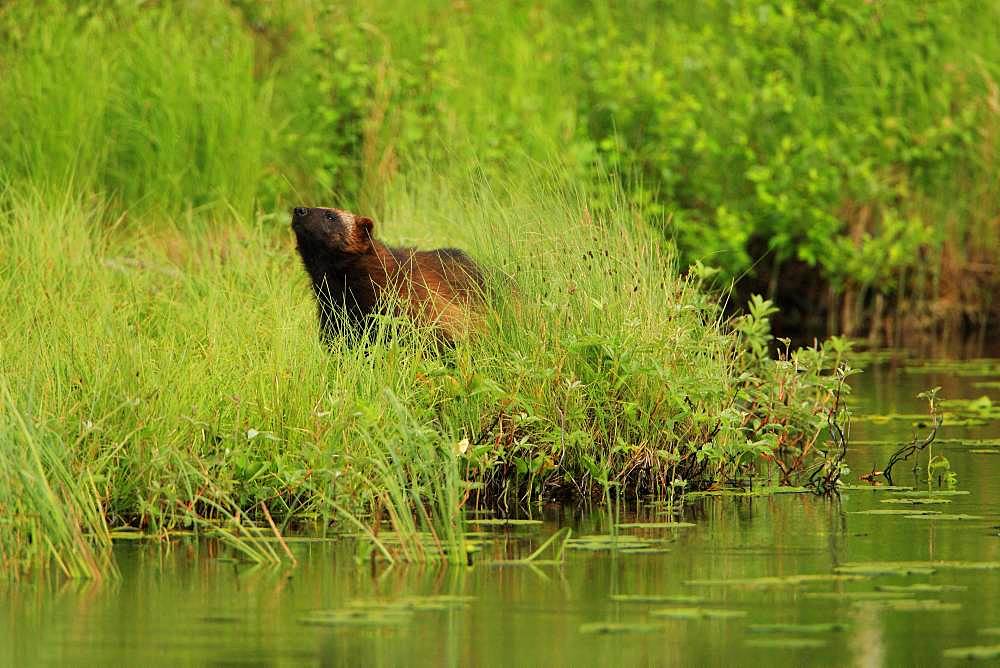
<point x="338" y="231"/>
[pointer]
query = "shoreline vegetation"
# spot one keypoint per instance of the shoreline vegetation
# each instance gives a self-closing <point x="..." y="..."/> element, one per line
<point x="175" y="382"/>
<point x="160" y="367"/>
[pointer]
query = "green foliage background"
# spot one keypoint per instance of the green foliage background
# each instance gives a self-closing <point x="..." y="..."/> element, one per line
<point x="855" y="140"/>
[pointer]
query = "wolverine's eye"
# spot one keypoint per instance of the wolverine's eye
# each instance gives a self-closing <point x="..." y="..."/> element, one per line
<point x="331" y="217"/>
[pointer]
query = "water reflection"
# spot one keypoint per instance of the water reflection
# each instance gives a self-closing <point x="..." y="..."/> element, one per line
<point x="183" y="606"/>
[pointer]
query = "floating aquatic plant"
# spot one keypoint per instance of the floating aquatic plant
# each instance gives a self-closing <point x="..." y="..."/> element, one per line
<point x="787" y="643"/>
<point x="697" y="613"/>
<point x="616" y="628"/>
<point x="827" y="627"/>
<point x="975" y="653"/>
<point x="657" y="598"/>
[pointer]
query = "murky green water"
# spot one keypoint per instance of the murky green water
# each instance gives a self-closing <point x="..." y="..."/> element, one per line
<point x="185" y="607"/>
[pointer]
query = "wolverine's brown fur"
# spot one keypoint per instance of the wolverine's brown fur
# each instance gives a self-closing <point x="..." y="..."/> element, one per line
<point x="355" y="277"/>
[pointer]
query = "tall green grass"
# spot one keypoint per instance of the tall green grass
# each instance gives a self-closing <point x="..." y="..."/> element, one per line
<point x="160" y="356"/>
<point x="182" y="369"/>
<point x="52" y="514"/>
<point x="135" y="104"/>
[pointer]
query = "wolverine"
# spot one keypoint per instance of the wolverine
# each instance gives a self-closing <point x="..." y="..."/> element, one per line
<point x="356" y="278"/>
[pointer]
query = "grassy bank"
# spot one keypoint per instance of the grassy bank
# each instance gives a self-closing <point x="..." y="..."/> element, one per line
<point x="160" y="367"/>
<point x="174" y="380"/>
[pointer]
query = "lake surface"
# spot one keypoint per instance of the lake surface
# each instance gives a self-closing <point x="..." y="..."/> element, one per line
<point x="184" y="606"/>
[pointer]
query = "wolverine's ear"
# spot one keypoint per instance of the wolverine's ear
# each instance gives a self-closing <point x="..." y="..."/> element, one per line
<point x="366" y="224"/>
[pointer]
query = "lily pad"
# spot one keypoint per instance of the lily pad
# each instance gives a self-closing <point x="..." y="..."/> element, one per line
<point x="886" y="568"/>
<point x="920" y="500"/>
<point x="787" y="643"/>
<point x="913" y="605"/>
<point x="128" y="534"/>
<point x="654" y="525"/>
<point x="974" y="442"/>
<point x="615" y="628"/>
<point x="889" y="417"/>
<point x="894" y="511"/>
<point x="957" y="368"/>
<point x="657" y="598"/>
<point x="619" y="543"/>
<point x="937" y="492"/>
<point x="775" y="581"/>
<point x="829" y="627"/>
<point x="356" y="617"/>
<point x="697" y="613"/>
<point x="500" y="522"/>
<point x="976" y="653"/>
<point x="985" y="452"/>
<point x="858" y="595"/>
<point x="920" y="588"/>
<point x="936" y="565"/>
<point x="752" y="493"/>
<point x="874" y="441"/>
<point x="945" y="517"/>
<point x="413" y="603"/>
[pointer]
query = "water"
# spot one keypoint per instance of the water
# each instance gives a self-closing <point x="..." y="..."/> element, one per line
<point x="186" y="607"/>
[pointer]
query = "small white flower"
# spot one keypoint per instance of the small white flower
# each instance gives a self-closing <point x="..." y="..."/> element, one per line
<point x="462" y="446"/>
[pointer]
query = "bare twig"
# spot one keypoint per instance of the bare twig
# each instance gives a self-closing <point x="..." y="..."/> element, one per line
<point x="917" y="445"/>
